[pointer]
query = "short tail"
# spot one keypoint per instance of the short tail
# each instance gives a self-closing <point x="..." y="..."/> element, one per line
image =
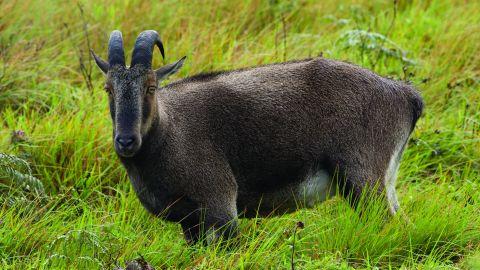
<point x="417" y="104"/>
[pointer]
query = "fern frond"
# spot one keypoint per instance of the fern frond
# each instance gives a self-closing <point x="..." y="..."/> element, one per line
<point x="16" y="172"/>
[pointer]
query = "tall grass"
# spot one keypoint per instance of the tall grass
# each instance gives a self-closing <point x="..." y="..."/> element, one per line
<point x="90" y="217"/>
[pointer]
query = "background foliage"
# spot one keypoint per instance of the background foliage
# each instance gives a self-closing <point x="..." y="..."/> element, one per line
<point x="66" y="201"/>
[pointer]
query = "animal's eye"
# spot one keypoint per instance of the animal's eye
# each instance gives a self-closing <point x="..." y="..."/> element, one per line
<point x="108" y="88"/>
<point x="151" y="89"/>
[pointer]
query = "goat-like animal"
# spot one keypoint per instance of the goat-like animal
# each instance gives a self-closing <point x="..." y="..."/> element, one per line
<point x="256" y="141"/>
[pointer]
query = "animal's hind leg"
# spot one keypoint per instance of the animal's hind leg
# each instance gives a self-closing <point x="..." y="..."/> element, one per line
<point x="391" y="178"/>
<point x="352" y="182"/>
<point x="355" y="179"/>
<point x="390" y="191"/>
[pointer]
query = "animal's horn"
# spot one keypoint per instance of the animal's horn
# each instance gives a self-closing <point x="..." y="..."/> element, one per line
<point x="143" y="50"/>
<point x="116" y="55"/>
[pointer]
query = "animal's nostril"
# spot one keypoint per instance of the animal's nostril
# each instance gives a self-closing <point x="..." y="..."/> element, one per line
<point x="125" y="141"/>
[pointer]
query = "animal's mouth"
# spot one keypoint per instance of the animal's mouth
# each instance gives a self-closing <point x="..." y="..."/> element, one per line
<point x="126" y="152"/>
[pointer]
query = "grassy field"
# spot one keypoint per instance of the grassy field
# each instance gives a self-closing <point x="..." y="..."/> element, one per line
<point x="54" y="118"/>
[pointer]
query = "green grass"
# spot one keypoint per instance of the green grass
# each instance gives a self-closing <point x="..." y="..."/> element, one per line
<point x="90" y="217"/>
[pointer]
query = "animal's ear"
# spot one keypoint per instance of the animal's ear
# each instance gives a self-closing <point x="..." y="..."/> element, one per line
<point x="102" y="64"/>
<point x="170" y="69"/>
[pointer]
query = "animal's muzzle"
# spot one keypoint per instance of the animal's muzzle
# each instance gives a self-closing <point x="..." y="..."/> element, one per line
<point x="127" y="145"/>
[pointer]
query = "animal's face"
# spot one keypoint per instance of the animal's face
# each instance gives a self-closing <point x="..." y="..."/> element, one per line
<point x="131" y="94"/>
<point x="132" y="91"/>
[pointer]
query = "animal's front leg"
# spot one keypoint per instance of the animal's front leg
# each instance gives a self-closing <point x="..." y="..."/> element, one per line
<point x="191" y="231"/>
<point x="222" y="227"/>
<point x="210" y="224"/>
<point x="212" y="189"/>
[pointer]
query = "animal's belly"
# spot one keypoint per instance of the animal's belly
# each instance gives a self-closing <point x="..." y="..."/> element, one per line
<point x="314" y="188"/>
<point x="317" y="187"/>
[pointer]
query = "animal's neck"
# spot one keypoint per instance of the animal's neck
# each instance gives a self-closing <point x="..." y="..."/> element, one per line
<point x="154" y="139"/>
<point x="161" y="124"/>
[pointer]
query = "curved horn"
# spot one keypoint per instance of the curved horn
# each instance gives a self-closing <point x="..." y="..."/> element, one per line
<point x="143" y="50"/>
<point x="116" y="56"/>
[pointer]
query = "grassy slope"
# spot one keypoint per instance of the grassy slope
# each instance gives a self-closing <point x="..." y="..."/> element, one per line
<point x="92" y="218"/>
